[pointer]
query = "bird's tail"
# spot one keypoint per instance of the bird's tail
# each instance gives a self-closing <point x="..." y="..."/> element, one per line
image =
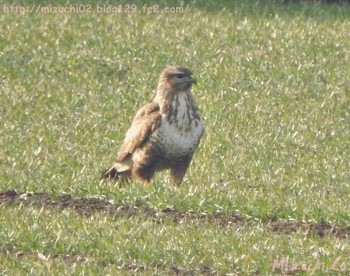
<point x="116" y="171"/>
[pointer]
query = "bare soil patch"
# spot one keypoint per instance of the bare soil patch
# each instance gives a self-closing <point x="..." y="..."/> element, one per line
<point x="91" y="206"/>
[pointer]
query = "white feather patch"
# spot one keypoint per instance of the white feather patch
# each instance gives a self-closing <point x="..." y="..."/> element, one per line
<point x="181" y="139"/>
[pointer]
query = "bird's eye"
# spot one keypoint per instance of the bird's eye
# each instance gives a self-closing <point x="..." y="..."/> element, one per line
<point x="180" y="76"/>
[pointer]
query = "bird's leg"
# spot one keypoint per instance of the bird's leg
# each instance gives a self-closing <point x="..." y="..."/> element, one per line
<point x="176" y="177"/>
<point x="142" y="173"/>
<point x="177" y="173"/>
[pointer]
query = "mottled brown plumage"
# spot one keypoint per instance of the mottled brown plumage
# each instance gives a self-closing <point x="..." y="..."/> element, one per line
<point x="164" y="133"/>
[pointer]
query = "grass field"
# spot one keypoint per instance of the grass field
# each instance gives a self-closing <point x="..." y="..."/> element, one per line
<point x="268" y="190"/>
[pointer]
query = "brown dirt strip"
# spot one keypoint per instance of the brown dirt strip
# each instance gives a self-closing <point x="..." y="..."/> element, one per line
<point x="91" y="206"/>
<point x="129" y="267"/>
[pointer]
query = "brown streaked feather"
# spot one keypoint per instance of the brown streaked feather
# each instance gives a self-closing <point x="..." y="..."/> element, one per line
<point x="147" y="119"/>
<point x="117" y="171"/>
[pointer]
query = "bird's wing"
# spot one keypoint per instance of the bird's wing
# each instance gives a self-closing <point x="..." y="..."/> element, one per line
<point x="147" y="119"/>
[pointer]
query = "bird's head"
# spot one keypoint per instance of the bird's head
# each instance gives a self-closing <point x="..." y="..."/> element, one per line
<point x="176" y="79"/>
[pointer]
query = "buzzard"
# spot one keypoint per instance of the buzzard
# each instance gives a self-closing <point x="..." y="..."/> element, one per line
<point x="164" y="133"/>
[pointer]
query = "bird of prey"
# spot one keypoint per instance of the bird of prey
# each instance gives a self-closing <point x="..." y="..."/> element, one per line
<point x="164" y="133"/>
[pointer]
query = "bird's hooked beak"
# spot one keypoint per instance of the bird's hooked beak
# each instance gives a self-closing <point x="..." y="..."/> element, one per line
<point x="193" y="80"/>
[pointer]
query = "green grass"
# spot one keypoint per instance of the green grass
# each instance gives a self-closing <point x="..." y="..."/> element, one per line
<point x="274" y="88"/>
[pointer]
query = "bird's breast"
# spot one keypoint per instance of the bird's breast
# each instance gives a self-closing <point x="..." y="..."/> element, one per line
<point x="175" y="142"/>
<point x="180" y="129"/>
